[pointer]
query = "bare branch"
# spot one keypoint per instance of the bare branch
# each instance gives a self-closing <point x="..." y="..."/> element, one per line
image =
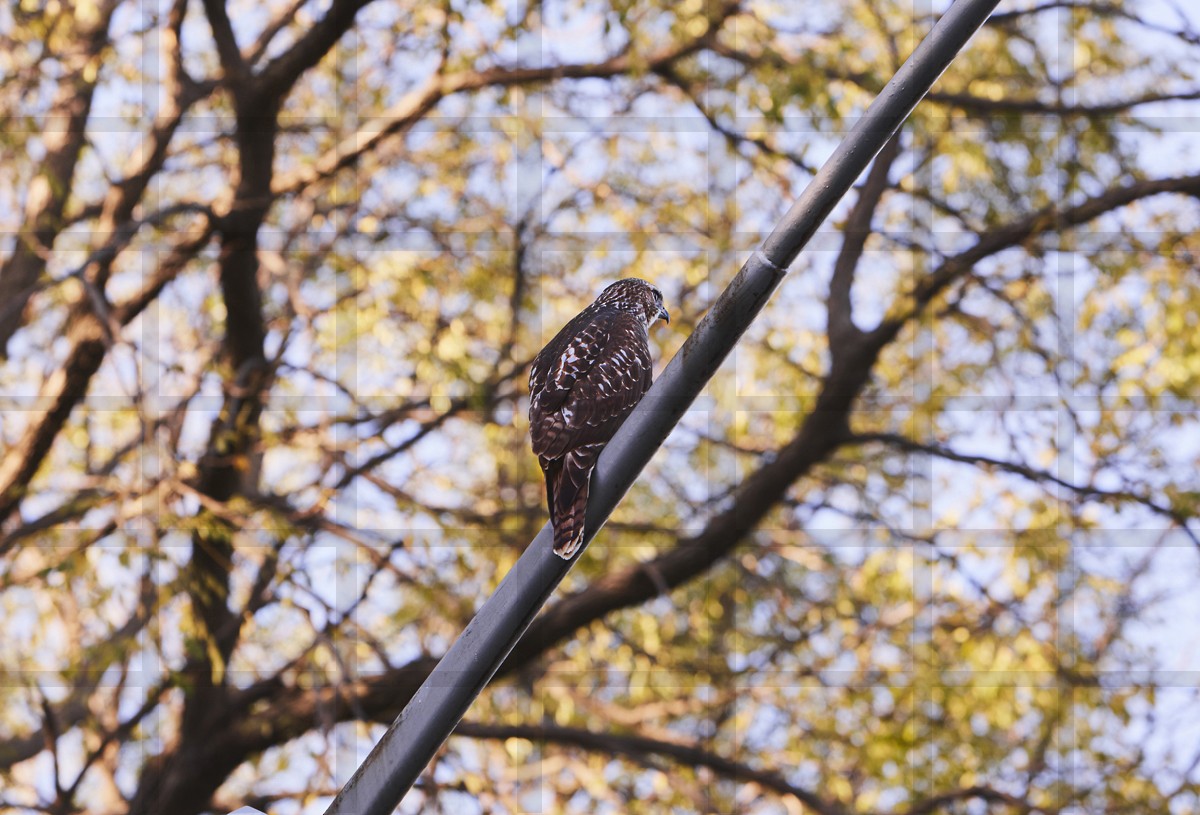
<point x="256" y="52"/>
<point x="278" y="77"/>
<point x="419" y="102"/>
<point x="985" y="107"/>
<point x="67" y="386"/>
<point x="1016" y="233"/>
<point x="938" y="803"/>
<point x="1031" y="474"/>
<point x="234" y="66"/>
<point x="1185" y="33"/>
<point x="641" y="746"/>
<point x="842" y="329"/>
<point x="87" y="678"/>
<point x="63" y="138"/>
<point x="732" y="136"/>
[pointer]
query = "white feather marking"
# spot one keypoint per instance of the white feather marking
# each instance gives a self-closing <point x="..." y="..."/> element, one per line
<point x="568" y="357"/>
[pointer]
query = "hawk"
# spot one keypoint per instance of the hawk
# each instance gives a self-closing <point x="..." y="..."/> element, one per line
<point x="582" y="386"/>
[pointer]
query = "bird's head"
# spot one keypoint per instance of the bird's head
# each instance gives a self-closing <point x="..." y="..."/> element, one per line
<point x="635" y="296"/>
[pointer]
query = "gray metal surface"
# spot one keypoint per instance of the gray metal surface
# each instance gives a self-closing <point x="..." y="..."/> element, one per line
<point x="405" y="749"/>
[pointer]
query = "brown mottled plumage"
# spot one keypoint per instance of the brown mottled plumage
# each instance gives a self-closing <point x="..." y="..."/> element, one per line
<point x="582" y="386"/>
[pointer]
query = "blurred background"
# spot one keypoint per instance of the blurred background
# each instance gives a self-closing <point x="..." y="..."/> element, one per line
<point x="271" y="275"/>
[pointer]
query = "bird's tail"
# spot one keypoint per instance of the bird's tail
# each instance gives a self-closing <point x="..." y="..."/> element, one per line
<point x="570" y="497"/>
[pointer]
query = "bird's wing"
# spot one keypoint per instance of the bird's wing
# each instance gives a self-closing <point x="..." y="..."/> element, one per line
<point x="586" y="385"/>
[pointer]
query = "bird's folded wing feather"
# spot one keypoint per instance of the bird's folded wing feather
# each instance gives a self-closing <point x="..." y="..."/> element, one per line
<point x="585" y="385"/>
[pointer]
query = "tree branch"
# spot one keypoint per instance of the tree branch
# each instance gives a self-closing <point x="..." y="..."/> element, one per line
<point x="67" y="386"/>
<point x="824" y="430"/>
<point x="64" y="132"/>
<point x="641" y="746"/>
<point x="732" y="137"/>
<point x="278" y="77"/>
<point x="88" y="676"/>
<point x="233" y="65"/>
<point x="1016" y="233"/>
<point x="256" y="52"/>
<point x="938" y="803"/>
<point x="984" y="107"/>
<point x="841" y="327"/>
<point x="1031" y="474"/>
<point x="417" y="103"/>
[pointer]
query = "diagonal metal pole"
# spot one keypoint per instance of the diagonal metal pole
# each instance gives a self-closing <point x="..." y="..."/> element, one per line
<point x="436" y="708"/>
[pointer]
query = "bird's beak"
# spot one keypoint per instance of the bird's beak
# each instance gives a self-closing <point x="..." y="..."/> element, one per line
<point x="662" y="312"/>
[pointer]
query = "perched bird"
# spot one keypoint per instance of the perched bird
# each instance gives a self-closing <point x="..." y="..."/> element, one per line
<point x="582" y="386"/>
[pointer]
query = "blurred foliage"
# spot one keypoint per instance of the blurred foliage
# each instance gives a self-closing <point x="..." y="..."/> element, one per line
<point x="980" y="602"/>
